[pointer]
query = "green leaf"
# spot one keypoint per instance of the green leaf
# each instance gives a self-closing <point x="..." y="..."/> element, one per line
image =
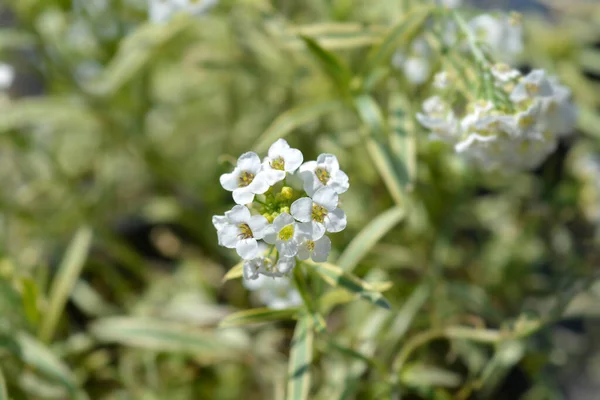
<point x="403" y="144"/>
<point x="257" y="315"/>
<point x="168" y="336"/>
<point x="30" y="300"/>
<point x="62" y="286"/>
<point x="371" y="115"/>
<point x="368" y="237"/>
<point x="399" y="36"/>
<point x="335" y="276"/>
<point x="333" y="35"/>
<point x="3" y="389"/>
<point x="39" y="357"/>
<point x="136" y="52"/>
<point x="420" y="375"/>
<point x="409" y="311"/>
<point x="331" y="64"/>
<point x="292" y="119"/>
<point x="235" y="272"/>
<point x="298" y="387"/>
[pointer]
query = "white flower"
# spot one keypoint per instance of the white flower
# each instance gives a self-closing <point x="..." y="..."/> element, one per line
<point x="263" y="265"/>
<point x="162" y="10"/>
<point x="450" y="3"/>
<point x="415" y="64"/>
<point x="318" y="249"/>
<point x="560" y="113"/>
<point x="325" y="172"/>
<point x="441" y="80"/>
<point x="503" y="73"/>
<point x="7" y="76"/>
<point x="246" y="180"/>
<point x="275" y="293"/>
<point x="286" y="234"/>
<point x="535" y="84"/>
<point x="282" y="159"/>
<point x="503" y="35"/>
<point x="240" y="231"/>
<point x="440" y="119"/>
<point x="321" y="211"/>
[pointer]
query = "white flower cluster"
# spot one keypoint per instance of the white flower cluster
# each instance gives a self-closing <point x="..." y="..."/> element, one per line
<point x="160" y="11"/>
<point x="7" y="76"/>
<point x="268" y="212"/>
<point x="501" y="35"/>
<point x="517" y="127"/>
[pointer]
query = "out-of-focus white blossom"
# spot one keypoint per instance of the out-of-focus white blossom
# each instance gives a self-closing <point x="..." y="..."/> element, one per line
<point x="503" y="35"/>
<point x="7" y="76"/>
<point x="162" y="10"/>
<point x="415" y="63"/>
<point x="495" y="135"/>
<point x="275" y="293"/>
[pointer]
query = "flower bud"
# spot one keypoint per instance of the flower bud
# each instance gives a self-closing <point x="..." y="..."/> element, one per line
<point x="287" y="193"/>
<point x="285" y="209"/>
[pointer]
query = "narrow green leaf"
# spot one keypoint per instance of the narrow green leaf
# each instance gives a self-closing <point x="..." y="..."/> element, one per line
<point x="335" y="276"/>
<point x="298" y="387"/>
<point x="399" y="36"/>
<point x="355" y="355"/>
<point x="62" y="286"/>
<point x="257" y="315"/>
<point x="409" y="311"/>
<point x="371" y="115"/>
<point x="39" y="357"/>
<point x="384" y="165"/>
<point x="30" y="300"/>
<point x="168" y="336"/>
<point x="403" y="144"/>
<point x="331" y="64"/>
<point x="589" y="121"/>
<point x="420" y="375"/>
<point x="3" y="389"/>
<point x="235" y="272"/>
<point x="292" y="119"/>
<point x="135" y="53"/>
<point x="368" y="237"/>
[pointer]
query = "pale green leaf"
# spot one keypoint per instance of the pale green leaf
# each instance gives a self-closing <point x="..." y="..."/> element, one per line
<point x="257" y="315"/>
<point x="301" y="353"/>
<point x="337" y="277"/>
<point x="331" y="64"/>
<point x="411" y="307"/>
<point x="3" y="389"/>
<point x="292" y="119"/>
<point x="30" y="300"/>
<point x="368" y="237"/>
<point x="62" y="285"/>
<point x="420" y="375"/>
<point x="235" y="272"/>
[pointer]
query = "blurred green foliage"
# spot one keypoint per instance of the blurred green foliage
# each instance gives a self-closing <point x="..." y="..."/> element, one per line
<point x="111" y="281"/>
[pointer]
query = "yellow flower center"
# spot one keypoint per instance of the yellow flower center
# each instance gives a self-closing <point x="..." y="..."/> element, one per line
<point x="322" y="175"/>
<point x="525" y="121"/>
<point x="319" y="213"/>
<point x="531" y="88"/>
<point x="287" y="232"/>
<point x="310" y="244"/>
<point x="245" y="179"/>
<point x="245" y="231"/>
<point x="278" y="164"/>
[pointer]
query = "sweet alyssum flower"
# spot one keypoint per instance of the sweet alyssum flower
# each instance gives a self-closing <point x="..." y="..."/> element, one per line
<point x="275" y="225"/>
<point x="246" y="180"/>
<point x="7" y="76"/>
<point x="275" y="293"/>
<point x="240" y="230"/>
<point x="320" y="211"/>
<point x="503" y="34"/>
<point x="323" y="172"/>
<point x="515" y="128"/>
<point x="281" y="160"/>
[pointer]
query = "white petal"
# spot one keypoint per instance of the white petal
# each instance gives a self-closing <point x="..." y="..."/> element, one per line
<point x="253" y="284"/>
<point x="238" y="215"/>
<point x="335" y="220"/>
<point x="307" y="167"/>
<point x="301" y="209"/>
<point x="287" y="248"/>
<point x="259" y="184"/>
<point x="249" y="162"/>
<point x="230" y="181"/>
<point x="247" y="248"/>
<point x="219" y="221"/>
<point x="250" y="270"/>
<point x="322" y="249"/>
<point x="330" y="161"/>
<point x="243" y="195"/>
<point x="303" y="251"/>
<point x="258" y="224"/>
<point x="278" y="148"/>
<point x="339" y="182"/>
<point x="282" y="220"/>
<point x="326" y="197"/>
<point x="272" y="176"/>
<point x="310" y="230"/>
<point x="270" y="234"/>
<point x="228" y="236"/>
<point x="293" y="158"/>
<point x="286" y="264"/>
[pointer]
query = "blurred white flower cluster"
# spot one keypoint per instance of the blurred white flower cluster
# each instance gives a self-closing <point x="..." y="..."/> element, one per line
<point x="515" y="126"/>
<point x="162" y="10"/>
<point x="7" y="76"/>
<point x="275" y="223"/>
<point x="275" y="293"/>
<point x="500" y="35"/>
